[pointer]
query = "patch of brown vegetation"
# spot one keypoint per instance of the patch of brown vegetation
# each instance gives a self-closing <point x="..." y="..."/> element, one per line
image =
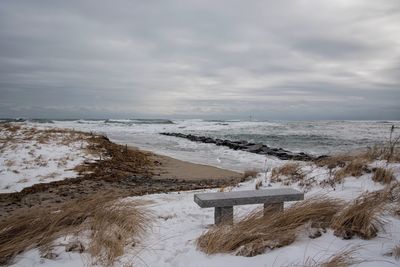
<point x="19" y="133"/>
<point x="225" y="188"/>
<point x="396" y="252"/>
<point x="334" y="161"/>
<point x="111" y="224"/>
<point x="362" y="217"/>
<point x="48" y="176"/>
<point x="115" y="162"/>
<point x="383" y="176"/>
<point x="259" y="183"/>
<point x="10" y="127"/>
<point x="343" y="258"/>
<point x="112" y="227"/>
<point x="355" y="168"/>
<point x="9" y="163"/>
<point x="356" y="163"/>
<point x="389" y="151"/>
<point x="291" y="171"/>
<point x="249" y="174"/>
<point x="394" y="198"/>
<point x="256" y="233"/>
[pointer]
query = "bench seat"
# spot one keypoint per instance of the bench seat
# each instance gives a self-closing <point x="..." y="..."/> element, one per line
<point x="223" y="202"/>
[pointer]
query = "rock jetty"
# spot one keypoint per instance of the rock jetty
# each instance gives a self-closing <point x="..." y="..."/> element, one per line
<point x="258" y="148"/>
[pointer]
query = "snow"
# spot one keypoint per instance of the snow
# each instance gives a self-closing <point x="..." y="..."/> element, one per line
<point x="172" y="242"/>
<point x="178" y="221"/>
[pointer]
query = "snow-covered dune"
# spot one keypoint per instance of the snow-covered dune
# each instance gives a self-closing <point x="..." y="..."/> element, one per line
<point x="31" y="155"/>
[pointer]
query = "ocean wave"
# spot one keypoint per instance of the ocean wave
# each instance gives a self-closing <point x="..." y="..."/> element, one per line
<point x="41" y="120"/>
<point x="139" y="121"/>
<point x="7" y="120"/>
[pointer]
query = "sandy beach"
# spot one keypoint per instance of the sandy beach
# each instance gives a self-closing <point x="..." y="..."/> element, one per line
<point x="171" y="168"/>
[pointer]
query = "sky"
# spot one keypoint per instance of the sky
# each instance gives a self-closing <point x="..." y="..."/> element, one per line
<point x="292" y="60"/>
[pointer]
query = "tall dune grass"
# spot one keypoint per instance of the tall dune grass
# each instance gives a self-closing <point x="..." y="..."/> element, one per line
<point x="111" y="224"/>
<point x="255" y="233"/>
<point x="363" y="216"/>
<point x="383" y="176"/>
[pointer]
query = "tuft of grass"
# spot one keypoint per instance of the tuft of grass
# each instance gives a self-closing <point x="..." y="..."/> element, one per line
<point x="340" y="259"/>
<point x="355" y="168"/>
<point x="112" y="227"/>
<point x="343" y="258"/>
<point x="383" y="176"/>
<point x="255" y="233"/>
<point x="289" y="172"/>
<point x="225" y="189"/>
<point x="362" y="217"/>
<point x="389" y="151"/>
<point x="259" y="183"/>
<point x="396" y="252"/>
<point x="394" y="198"/>
<point x="334" y="161"/>
<point x="111" y="224"/>
<point x="10" y="127"/>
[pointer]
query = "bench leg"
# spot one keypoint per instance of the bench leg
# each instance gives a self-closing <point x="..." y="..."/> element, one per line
<point x="272" y="207"/>
<point x="223" y="215"/>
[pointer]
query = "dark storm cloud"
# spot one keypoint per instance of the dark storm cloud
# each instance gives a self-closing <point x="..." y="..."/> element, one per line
<point x="268" y="59"/>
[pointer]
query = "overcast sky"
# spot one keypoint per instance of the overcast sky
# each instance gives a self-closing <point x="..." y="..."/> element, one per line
<point x="212" y="59"/>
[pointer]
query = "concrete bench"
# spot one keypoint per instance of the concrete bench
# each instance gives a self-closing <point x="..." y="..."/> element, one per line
<point x="223" y="202"/>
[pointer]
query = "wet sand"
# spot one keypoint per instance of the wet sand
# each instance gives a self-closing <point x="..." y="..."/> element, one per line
<point x="171" y="168"/>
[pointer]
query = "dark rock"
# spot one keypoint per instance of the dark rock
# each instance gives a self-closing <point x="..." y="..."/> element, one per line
<point x="249" y="147"/>
<point x="209" y="140"/>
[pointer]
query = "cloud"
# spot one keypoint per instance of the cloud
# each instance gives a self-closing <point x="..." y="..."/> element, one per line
<point x="268" y="59"/>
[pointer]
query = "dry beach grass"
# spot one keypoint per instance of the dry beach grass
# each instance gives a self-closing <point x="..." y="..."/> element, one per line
<point x="249" y="174"/>
<point x="342" y="258"/>
<point x="38" y="215"/>
<point x="362" y="217"/>
<point x="111" y="224"/>
<point x="255" y="233"/>
<point x="383" y="175"/>
<point x="288" y="173"/>
<point x="355" y="167"/>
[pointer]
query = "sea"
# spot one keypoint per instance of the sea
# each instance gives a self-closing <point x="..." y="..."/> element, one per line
<point x="312" y="137"/>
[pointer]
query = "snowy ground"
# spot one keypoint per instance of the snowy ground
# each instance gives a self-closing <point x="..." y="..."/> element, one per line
<point x="179" y="222"/>
<point x="30" y="156"/>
